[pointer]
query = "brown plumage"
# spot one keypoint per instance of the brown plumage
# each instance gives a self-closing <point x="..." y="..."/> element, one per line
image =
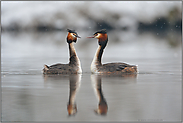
<point x="74" y="65"/>
<point x="110" y="68"/>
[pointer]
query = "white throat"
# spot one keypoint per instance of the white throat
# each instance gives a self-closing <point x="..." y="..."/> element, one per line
<point x="78" y="61"/>
<point x="93" y="66"/>
<point x="79" y="65"/>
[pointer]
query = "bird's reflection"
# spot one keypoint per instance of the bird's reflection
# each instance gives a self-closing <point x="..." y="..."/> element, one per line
<point x="74" y="86"/>
<point x="96" y="80"/>
<point x="97" y="85"/>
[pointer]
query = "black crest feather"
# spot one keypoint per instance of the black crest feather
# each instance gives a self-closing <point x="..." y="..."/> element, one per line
<point x="103" y="31"/>
<point x="71" y="31"/>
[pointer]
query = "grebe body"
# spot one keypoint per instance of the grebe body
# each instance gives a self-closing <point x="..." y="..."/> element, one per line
<point x="74" y="65"/>
<point x="109" y="68"/>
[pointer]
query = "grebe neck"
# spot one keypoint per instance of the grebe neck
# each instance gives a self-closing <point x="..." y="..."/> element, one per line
<point x="97" y="60"/>
<point x="74" y="60"/>
<point x="98" y="56"/>
<point x="96" y="63"/>
<point x="72" y="50"/>
<point x="102" y="44"/>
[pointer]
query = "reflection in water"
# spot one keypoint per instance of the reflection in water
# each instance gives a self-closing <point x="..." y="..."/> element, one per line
<point x="102" y="106"/>
<point x="74" y="85"/>
<point x="97" y="85"/>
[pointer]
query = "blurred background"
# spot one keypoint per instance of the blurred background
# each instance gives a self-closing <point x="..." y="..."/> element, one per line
<point x="145" y="33"/>
<point x="59" y="15"/>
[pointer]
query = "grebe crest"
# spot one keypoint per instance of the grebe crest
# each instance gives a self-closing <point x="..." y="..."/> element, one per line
<point x="72" y="36"/>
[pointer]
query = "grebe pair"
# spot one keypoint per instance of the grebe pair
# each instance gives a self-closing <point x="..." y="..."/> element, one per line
<point x="74" y="66"/>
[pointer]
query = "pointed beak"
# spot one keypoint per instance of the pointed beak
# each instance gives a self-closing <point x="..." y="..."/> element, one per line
<point x="90" y="37"/>
<point x="78" y="36"/>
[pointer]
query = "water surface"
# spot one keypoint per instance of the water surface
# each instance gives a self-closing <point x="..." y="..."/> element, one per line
<point x="154" y="94"/>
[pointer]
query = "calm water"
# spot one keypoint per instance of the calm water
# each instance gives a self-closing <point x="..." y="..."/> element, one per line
<point x="154" y="94"/>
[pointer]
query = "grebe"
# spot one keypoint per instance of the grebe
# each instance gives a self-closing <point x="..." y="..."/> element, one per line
<point x="74" y="65"/>
<point x="109" y="68"/>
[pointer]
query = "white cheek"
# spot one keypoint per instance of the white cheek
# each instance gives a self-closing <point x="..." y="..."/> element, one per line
<point x="98" y="36"/>
<point x="73" y="35"/>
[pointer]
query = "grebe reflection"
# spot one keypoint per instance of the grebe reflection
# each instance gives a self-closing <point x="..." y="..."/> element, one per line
<point x="97" y="85"/>
<point x="74" y="86"/>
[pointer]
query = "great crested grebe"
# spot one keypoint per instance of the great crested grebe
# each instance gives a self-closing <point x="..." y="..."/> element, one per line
<point x="109" y="68"/>
<point x="74" y="65"/>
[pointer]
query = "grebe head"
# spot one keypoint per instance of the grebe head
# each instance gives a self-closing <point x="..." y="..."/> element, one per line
<point x="99" y="34"/>
<point x="102" y="37"/>
<point x="72" y="36"/>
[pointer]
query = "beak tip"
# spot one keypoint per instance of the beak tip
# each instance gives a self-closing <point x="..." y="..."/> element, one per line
<point x="89" y="37"/>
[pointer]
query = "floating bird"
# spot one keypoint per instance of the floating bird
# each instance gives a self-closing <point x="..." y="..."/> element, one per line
<point x="74" y="65"/>
<point x="109" y="68"/>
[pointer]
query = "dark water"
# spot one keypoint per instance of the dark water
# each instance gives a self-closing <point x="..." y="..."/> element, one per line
<point x="154" y="94"/>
